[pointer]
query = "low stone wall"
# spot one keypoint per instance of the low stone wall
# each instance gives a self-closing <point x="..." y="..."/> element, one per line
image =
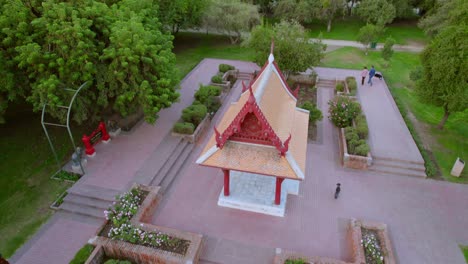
<point x="97" y="256"/>
<point x="147" y="255"/>
<point x="303" y="78"/>
<point x="198" y="131"/>
<point x="354" y="238"/>
<point x="349" y="160"/>
<point x="225" y="85"/>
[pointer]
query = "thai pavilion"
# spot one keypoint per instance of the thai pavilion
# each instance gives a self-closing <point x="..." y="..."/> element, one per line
<point x="260" y="142"/>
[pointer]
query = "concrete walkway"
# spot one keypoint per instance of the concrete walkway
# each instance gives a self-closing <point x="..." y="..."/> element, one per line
<point x="355" y="44"/>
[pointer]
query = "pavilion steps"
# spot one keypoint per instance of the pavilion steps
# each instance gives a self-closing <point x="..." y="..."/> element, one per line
<point x="398" y="167"/>
<point x="244" y="76"/>
<point x="176" y="167"/>
<point x="88" y="200"/>
<point x="324" y="83"/>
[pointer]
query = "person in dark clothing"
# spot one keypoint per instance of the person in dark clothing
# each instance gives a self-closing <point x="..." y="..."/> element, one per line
<point x="337" y="190"/>
<point x="371" y="75"/>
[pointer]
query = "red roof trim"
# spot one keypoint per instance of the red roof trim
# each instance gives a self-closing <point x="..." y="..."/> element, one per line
<point x="283" y="79"/>
<point x="259" y="73"/>
<point x="251" y="106"/>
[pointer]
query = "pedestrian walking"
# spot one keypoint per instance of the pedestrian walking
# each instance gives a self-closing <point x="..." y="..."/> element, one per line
<point x="337" y="190"/>
<point x="364" y="74"/>
<point x="371" y="75"/>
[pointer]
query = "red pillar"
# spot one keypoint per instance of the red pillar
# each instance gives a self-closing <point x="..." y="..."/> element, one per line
<point x="105" y="135"/>
<point x="89" y="149"/>
<point x="279" y="181"/>
<point x="226" y="182"/>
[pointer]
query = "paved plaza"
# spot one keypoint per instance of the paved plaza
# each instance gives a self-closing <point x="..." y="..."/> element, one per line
<point x="426" y="219"/>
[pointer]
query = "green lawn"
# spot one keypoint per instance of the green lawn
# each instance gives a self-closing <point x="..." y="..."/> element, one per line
<point x="191" y="48"/>
<point x="25" y="170"/>
<point x="402" y="32"/>
<point x="448" y="144"/>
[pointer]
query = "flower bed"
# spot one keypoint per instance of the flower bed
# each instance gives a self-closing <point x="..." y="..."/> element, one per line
<point x="56" y="204"/>
<point x="351" y="85"/>
<point x="372" y="249"/>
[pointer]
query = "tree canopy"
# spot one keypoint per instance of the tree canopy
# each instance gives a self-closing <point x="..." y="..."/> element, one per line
<point x="376" y="11"/>
<point x="181" y="14"/>
<point x="446" y="13"/>
<point x="231" y="18"/>
<point x="292" y="50"/>
<point x="48" y="46"/>
<point x="445" y="64"/>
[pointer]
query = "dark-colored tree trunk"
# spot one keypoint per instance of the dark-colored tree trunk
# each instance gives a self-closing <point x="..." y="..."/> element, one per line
<point x="329" y="24"/>
<point x="444" y="119"/>
<point x="350" y="8"/>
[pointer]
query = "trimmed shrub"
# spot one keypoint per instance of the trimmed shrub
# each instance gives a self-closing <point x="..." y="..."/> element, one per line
<point x="361" y="126"/>
<point x="362" y="149"/>
<point x="217" y="79"/>
<point x="183" y="128"/>
<point x="205" y="92"/>
<point x="83" y="254"/>
<point x="339" y="87"/>
<point x="225" y="67"/>
<point x="416" y="74"/>
<point x="352" y="85"/>
<point x="351" y="134"/>
<point x="295" y="261"/>
<point x="212" y="104"/>
<point x="194" y="114"/>
<point x="343" y="110"/>
<point x="314" y="113"/>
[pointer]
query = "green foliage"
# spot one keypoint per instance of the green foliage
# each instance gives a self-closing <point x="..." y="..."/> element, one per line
<point x="362" y="128"/>
<point x="295" y="261"/>
<point x="194" y="114"/>
<point x="212" y="104"/>
<point x="292" y="51"/>
<point x="343" y="110"/>
<point x="183" y="128"/>
<point x="351" y="134"/>
<point x="369" y="33"/>
<point x="387" y="51"/>
<point x="225" y="67"/>
<point x="372" y="249"/>
<point x="65" y="175"/>
<point x="445" y="61"/>
<point x="446" y="13"/>
<point x="379" y="12"/>
<point x="205" y="92"/>
<point x="340" y="87"/>
<point x="362" y="149"/>
<point x="217" y="79"/>
<point x="352" y="85"/>
<point x="182" y="14"/>
<point x="116" y="45"/>
<point x="231" y="17"/>
<point x="465" y="252"/>
<point x="117" y="261"/>
<point x="83" y="254"/>
<point x="356" y="144"/>
<point x="416" y="74"/>
<point x="314" y="113"/>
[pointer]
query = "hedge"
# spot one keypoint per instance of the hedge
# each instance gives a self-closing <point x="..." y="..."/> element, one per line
<point x="194" y="114"/>
<point x="217" y="79"/>
<point x="314" y="113"/>
<point x="339" y="87"/>
<point x="225" y="67"/>
<point x="352" y="85"/>
<point x="184" y="128"/>
<point x="205" y="92"/>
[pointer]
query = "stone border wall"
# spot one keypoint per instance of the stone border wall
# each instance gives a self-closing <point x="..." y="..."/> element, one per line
<point x="97" y="256"/>
<point x="349" y="160"/>
<point x="354" y="239"/>
<point x="147" y="255"/>
<point x="192" y="138"/>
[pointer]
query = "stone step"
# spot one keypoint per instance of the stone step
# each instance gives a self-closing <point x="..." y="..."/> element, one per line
<point x="83" y="210"/>
<point x="168" y="163"/>
<point x="157" y="159"/>
<point x="176" y="167"/>
<point x="94" y="192"/>
<point x="399" y="164"/>
<point x="87" y="201"/>
<point x="398" y="171"/>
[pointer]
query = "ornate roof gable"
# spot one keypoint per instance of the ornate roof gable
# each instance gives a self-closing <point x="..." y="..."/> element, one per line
<point x="250" y="125"/>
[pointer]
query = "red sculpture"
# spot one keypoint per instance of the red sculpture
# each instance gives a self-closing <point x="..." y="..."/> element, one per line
<point x="99" y="134"/>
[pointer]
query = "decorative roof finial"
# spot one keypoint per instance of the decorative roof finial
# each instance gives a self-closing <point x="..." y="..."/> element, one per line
<point x="271" y="58"/>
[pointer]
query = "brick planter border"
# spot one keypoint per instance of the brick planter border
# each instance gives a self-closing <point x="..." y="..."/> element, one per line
<point x="350" y="160"/>
<point x="192" y="138"/>
<point x="354" y="238"/>
<point x="148" y="255"/>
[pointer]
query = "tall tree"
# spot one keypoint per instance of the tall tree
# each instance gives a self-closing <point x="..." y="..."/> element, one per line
<point x="445" y="63"/>
<point x="447" y="12"/>
<point x="327" y="10"/>
<point x="117" y="45"/>
<point x="376" y="11"/>
<point x="368" y="34"/>
<point x="387" y="51"/>
<point x="181" y="14"/>
<point x="231" y="18"/>
<point x="293" y="52"/>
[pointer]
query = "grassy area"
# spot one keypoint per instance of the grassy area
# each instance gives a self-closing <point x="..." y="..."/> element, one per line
<point x="347" y="29"/>
<point x="191" y="48"/>
<point x="465" y="252"/>
<point x="445" y="145"/>
<point x="26" y="167"/>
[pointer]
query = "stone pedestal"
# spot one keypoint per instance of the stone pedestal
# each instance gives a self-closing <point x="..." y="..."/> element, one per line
<point x="457" y="167"/>
<point x="256" y="193"/>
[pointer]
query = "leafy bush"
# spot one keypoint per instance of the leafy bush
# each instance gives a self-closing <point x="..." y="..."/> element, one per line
<point x="314" y="113"/>
<point x="83" y="254"/>
<point x="343" y="110"/>
<point x="212" y="104"/>
<point x="362" y="149"/>
<point x="217" y="79"/>
<point x="339" y="87"/>
<point x="183" y="128"/>
<point x="117" y="261"/>
<point x="352" y="85"/>
<point x="416" y="74"/>
<point x="205" y="92"/>
<point x="351" y="134"/>
<point x="295" y="261"/>
<point x="225" y="67"/>
<point x="194" y="114"/>
<point x="361" y="126"/>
